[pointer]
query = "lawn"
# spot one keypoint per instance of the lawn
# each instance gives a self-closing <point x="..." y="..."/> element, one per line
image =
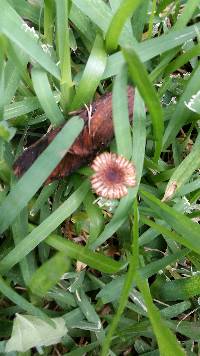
<point x="99" y="177"/>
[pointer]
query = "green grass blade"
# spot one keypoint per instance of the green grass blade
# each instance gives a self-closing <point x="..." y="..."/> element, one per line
<point x="139" y="141"/>
<point x="93" y="259"/>
<point x="124" y="11"/>
<point x="49" y="274"/>
<point x="184" y="171"/>
<point x="45" y="193"/>
<point x="24" y="39"/>
<point x="180" y="24"/>
<point x="168" y="345"/>
<point x="12" y="79"/>
<point x="147" y="50"/>
<point x="179" y="289"/>
<point x="151" y="19"/>
<point x="101" y="16"/>
<point x="20" y="230"/>
<point x="95" y="217"/>
<point x="111" y="290"/>
<point x="189" y="230"/>
<point x="91" y="76"/>
<point x="2" y="76"/>
<point x="117" y="220"/>
<point x="48" y="21"/>
<point x="160" y="229"/>
<point x="45" y="96"/>
<point x="82" y="23"/>
<point x="139" y="135"/>
<point x="17" y="299"/>
<point x="182" y="59"/>
<point x="66" y="84"/>
<point x="140" y="78"/>
<point x="120" y="115"/>
<point x="181" y="113"/>
<point x="22" y="192"/>
<point x="45" y="228"/>
<point x="133" y="265"/>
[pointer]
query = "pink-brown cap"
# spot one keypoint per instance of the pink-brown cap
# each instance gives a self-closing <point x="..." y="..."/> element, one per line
<point x="113" y="174"/>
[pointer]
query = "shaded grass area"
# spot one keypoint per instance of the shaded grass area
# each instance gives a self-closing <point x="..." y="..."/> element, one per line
<point x="81" y="274"/>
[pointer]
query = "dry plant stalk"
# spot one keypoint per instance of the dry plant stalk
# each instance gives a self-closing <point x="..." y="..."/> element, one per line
<point x="96" y="135"/>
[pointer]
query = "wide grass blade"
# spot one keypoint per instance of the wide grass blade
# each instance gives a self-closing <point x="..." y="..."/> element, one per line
<point x="179" y="289"/>
<point x="66" y="84"/>
<point x="140" y="78"/>
<point x="101" y="16"/>
<point x="49" y="274"/>
<point x="91" y="76"/>
<point x="168" y="345"/>
<point x="120" y="115"/>
<point x="22" y="192"/>
<point x="45" y="96"/>
<point x="49" y="21"/>
<point x="133" y="265"/>
<point x="124" y="11"/>
<point x="93" y="259"/>
<point x="139" y="136"/>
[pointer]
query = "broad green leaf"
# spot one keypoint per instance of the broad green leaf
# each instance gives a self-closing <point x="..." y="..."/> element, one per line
<point x="30" y="331"/>
<point x="82" y="23"/>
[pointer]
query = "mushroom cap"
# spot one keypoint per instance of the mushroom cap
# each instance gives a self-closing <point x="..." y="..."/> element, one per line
<point x="113" y="174"/>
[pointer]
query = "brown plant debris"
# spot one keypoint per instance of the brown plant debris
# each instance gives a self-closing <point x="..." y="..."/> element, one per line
<point x="96" y="135"/>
